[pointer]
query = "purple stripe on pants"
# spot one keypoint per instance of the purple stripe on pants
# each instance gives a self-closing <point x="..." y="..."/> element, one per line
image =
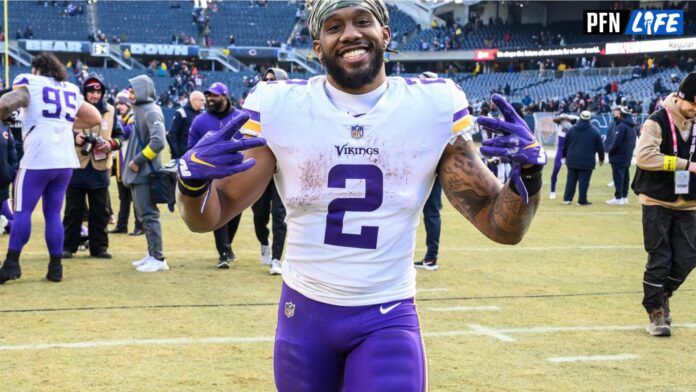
<point x="30" y="185"/>
<point x="325" y="348"/>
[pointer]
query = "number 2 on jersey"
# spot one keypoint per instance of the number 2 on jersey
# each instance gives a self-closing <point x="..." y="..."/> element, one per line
<point x="52" y="96"/>
<point x="374" y="189"/>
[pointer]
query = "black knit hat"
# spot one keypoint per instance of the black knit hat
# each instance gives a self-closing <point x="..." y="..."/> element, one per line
<point x="687" y="88"/>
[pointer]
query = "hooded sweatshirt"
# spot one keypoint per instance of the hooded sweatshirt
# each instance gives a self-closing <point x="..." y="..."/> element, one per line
<point x="147" y="139"/>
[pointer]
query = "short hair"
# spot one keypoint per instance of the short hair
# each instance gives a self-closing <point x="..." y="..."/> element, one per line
<point x="48" y="65"/>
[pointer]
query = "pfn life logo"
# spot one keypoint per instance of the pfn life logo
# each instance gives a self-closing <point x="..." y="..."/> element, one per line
<point x="656" y="22"/>
<point x="636" y="22"/>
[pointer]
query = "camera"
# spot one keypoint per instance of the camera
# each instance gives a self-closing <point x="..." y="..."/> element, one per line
<point x="88" y="145"/>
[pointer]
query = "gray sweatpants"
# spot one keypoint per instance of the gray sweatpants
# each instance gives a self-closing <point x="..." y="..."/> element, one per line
<point x="149" y="214"/>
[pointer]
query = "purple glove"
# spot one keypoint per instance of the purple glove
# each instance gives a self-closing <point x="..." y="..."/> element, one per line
<point x="217" y="154"/>
<point x="515" y="144"/>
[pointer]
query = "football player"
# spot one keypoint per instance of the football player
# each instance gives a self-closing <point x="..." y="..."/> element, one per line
<point x="354" y="155"/>
<point x="50" y="108"/>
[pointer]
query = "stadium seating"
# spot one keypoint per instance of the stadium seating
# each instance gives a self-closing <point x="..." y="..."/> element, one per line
<point x="46" y="22"/>
<point x="157" y="21"/>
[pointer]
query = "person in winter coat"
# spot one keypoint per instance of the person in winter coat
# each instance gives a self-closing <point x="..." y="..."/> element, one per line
<point x="9" y="163"/>
<point x="622" y="142"/>
<point x="126" y="117"/>
<point x="581" y="144"/>
<point x="90" y="182"/>
<point x="181" y="123"/>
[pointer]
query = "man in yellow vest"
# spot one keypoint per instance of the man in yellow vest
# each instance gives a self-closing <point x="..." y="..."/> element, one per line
<point x="90" y="183"/>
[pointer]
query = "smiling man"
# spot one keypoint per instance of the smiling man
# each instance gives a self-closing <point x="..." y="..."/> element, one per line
<point x="354" y="155"/>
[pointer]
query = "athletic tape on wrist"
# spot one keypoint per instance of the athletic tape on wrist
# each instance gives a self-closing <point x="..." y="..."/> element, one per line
<point x="532" y="180"/>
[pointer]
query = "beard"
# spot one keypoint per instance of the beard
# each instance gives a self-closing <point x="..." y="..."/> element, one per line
<point x="355" y="79"/>
<point x="216" y="107"/>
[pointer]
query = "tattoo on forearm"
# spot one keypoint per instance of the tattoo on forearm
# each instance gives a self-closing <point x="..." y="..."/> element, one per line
<point x="13" y="101"/>
<point x="476" y="193"/>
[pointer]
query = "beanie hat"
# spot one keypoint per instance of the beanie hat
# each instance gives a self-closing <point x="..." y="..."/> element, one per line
<point x="122" y="97"/>
<point x="687" y="88"/>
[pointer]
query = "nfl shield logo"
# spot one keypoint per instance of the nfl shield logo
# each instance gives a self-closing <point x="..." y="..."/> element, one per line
<point x="356" y="131"/>
<point x="289" y="309"/>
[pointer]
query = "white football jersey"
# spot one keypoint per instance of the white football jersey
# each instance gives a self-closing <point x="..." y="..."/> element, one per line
<point x="354" y="187"/>
<point x="47" y="122"/>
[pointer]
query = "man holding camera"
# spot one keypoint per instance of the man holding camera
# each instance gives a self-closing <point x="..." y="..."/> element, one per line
<point x="90" y="183"/>
<point x="665" y="181"/>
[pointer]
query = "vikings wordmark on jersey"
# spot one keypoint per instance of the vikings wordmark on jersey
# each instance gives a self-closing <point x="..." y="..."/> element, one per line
<point x="354" y="187"/>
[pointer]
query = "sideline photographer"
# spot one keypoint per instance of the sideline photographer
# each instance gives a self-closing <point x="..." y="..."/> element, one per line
<point x="666" y="184"/>
<point x="90" y="183"/>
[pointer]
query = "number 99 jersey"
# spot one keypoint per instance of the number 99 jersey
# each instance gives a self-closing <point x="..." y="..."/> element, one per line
<point x="47" y="122"/>
<point x="354" y="187"/>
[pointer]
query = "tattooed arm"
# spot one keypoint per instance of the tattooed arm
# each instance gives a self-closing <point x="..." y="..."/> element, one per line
<point x="13" y="101"/>
<point x="495" y="210"/>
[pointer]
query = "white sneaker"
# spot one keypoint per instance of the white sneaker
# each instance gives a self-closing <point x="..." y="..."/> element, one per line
<point x="142" y="261"/>
<point x="614" y="202"/>
<point x="265" y="255"/>
<point x="610" y="184"/>
<point x="275" y="268"/>
<point x="153" y="265"/>
<point x="624" y="201"/>
<point x="3" y="224"/>
<point x="552" y="195"/>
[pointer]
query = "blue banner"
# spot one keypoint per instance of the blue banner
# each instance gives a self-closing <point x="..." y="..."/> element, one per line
<point x="249" y="51"/>
<point x="160" y="49"/>
<point x="38" y="45"/>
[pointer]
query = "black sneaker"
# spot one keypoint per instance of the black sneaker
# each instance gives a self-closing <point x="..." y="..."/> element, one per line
<point x="427" y="264"/>
<point x="10" y="271"/>
<point x="103" y="255"/>
<point x="136" y="232"/>
<point x="224" y="262"/>
<point x="665" y="306"/>
<point x="658" y="326"/>
<point x="118" y="230"/>
<point x="55" y="272"/>
<point x="68" y="254"/>
<point x="589" y="203"/>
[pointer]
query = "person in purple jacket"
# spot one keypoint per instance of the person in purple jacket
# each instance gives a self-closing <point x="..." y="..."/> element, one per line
<point x="219" y="110"/>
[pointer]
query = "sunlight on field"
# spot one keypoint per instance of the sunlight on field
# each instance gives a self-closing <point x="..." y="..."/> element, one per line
<point x="494" y="317"/>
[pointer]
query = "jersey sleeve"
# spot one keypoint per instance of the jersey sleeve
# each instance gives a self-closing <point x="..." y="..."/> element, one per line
<point x="21" y="80"/>
<point x="252" y="105"/>
<point x="462" y="121"/>
<point x="79" y="98"/>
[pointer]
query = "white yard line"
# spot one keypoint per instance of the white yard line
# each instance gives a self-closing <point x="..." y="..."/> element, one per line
<point x="502" y="334"/>
<point x="139" y="342"/>
<point x="464" y="309"/>
<point x="593" y="358"/>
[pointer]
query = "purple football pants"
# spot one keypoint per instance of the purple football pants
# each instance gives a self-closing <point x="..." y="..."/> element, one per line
<point x="326" y="348"/>
<point x="30" y="185"/>
<point x="557" y="163"/>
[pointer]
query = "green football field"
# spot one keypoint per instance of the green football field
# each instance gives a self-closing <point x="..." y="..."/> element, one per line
<point x="559" y="312"/>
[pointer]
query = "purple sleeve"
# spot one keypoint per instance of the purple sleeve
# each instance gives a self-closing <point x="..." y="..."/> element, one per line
<point x="195" y="133"/>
